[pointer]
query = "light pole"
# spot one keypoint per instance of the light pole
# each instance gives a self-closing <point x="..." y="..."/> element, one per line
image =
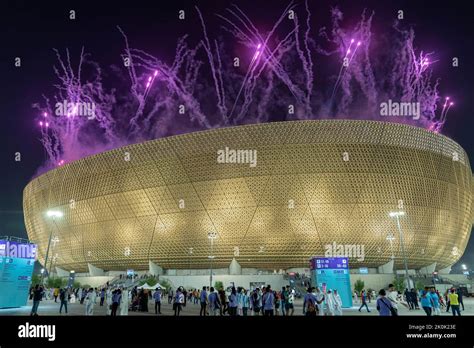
<point x="397" y="214"/>
<point x="211" y="236"/>
<point x="51" y="214"/>
<point x="391" y="238"/>
<point x="55" y="240"/>
<point x="190" y="253"/>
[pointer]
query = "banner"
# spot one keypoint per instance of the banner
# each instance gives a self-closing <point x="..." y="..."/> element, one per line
<point x="17" y="261"/>
<point x="333" y="273"/>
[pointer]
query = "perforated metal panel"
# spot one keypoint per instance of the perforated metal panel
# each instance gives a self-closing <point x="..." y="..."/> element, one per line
<point x="300" y="197"/>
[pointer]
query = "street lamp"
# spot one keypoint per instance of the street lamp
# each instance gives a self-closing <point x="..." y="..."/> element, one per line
<point x="397" y="214"/>
<point x="464" y="267"/>
<point x="211" y="236"/>
<point x="53" y="214"/>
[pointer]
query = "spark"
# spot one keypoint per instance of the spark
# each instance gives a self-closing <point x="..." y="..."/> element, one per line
<point x="344" y="66"/>
<point x="253" y="64"/>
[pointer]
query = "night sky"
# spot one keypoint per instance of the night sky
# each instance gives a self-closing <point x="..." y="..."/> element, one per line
<point x="30" y="31"/>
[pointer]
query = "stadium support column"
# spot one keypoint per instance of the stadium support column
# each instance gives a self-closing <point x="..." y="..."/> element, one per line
<point x="95" y="271"/>
<point x="61" y="272"/>
<point x="445" y="270"/>
<point x="235" y="268"/>
<point x="154" y="269"/>
<point x="428" y="270"/>
<point x="386" y="268"/>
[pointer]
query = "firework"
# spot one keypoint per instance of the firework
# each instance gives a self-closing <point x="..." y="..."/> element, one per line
<point x="199" y="89"/>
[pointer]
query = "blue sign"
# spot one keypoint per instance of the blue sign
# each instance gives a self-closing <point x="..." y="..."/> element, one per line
<point x="16" y="268"/>
<point x="333" y="273"/>
<point x="363" y="270"/>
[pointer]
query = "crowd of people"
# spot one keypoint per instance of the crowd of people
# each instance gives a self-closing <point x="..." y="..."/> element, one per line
<point x="429" y="299"/>
<point x="238" y="301"/>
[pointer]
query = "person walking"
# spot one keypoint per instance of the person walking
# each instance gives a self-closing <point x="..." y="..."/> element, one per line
<point x="454" y="302"/>
<point x="170" y="296"/>
<point x="116" y="299"/>
<point x="337" y="303"/>
<point x="63" y="299"/>
<point x="214" y="302"/>
<point x="37" y="297"/>
<point x="56" y="292"/>
<point x="392" y="296"/>
<point x="276" y="302"/>
<point x="102" y="297"/>
<point x="363" y="299"/>
<point x="268" y="301"/>
<point x="84" y="294"/>
<point x="290" y="309"/>
<point x="203" y="300"/>
<point x="178" y="302"/>
<point x="90" y="301"/>
<point x="383" y="305"/>
<point x="446" y="296"/>
<point x="427" y="302"/>
<point x="408" y="299"/>
<point x="185" y="293"/>
<point x="222" y="299"/>
<point x="240" y="292"/>
<point x="283" y="299"/>
<point x="108" y="300"/>
<point x="157" y="298"/>
<point x="330" y="304"/>
<point x="124" y="302"/>
<point x="256" y="302"/>
<point x="233" y="302"/>
<point x="79" y="295"/>
<point x="320" y="298"/>
<point x="460" y="297"/>
<point x="245" y="303"/>
<point x="310" y="308"/>
<point x="435" y="302"/>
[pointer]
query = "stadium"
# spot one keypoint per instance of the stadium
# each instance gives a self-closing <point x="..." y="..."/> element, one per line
<point x="294" y="189"/>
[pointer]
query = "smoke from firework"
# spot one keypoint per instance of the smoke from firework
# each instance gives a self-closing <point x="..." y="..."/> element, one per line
<point x="204" y="88"/>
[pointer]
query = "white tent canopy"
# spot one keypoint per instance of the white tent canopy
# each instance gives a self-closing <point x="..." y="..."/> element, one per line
<point x="150" y="287"/>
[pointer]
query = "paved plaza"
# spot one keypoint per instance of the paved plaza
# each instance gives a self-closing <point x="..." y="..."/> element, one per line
<point x="49" y="307"/>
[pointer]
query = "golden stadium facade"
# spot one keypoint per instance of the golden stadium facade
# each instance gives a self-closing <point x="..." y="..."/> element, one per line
<point x="315" y="183"/>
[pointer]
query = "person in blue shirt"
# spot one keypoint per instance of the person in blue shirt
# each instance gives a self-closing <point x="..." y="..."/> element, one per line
<point x="363" y="298"/>
<point x="426" y="302"/>
<point x="435" y="301"/>
<point x="203" y="298"/>
<point x="268" y="301"/>
<point x="233" y="302"/>
<point x="116" y="298"/>
<point x="157" y="298"/>
<point x="310" y="307"/>
<point x="214" y="303"/>
<point x="245" y="303"/>
<point x="384" y="306"/>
